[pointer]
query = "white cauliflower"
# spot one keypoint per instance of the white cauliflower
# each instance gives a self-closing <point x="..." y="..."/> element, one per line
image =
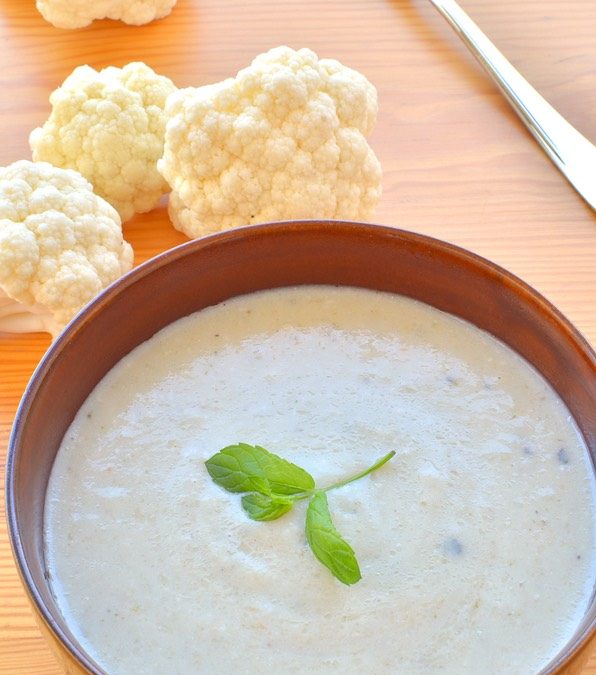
<point x="284" y="139"/>
<point x="80" y="13"/>
<point x="60" y="245"/>
<point x="109" y="126"/>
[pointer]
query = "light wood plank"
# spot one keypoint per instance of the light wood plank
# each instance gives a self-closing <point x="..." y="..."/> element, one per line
<point x="458" y="164"/>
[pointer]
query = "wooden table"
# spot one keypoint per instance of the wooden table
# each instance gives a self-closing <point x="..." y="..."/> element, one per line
<point x="457" y="163"/>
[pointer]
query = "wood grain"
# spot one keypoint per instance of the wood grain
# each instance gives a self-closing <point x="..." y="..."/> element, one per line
<point x="458" y="164"/>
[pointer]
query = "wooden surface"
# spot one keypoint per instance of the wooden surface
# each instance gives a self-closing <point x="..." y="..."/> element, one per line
<point x="457" y="163"/>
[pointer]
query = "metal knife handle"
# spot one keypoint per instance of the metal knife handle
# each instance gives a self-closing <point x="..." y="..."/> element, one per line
<point x="571" y="152"/>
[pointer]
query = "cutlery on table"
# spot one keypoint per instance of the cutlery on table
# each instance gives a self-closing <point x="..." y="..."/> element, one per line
<point x="571" y="152"/>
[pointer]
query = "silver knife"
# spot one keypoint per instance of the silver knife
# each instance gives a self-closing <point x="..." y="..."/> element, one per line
<point x="571" y="152"/>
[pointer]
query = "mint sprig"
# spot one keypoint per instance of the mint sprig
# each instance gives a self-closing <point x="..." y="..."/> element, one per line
<point x="271" y="485"/>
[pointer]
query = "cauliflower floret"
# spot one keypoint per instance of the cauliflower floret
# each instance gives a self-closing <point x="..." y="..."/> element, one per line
<point x="109" y="126"/>
<point x="80" y="13"/>
<point x="60" y="245"/>
<point x="283" y="139"/>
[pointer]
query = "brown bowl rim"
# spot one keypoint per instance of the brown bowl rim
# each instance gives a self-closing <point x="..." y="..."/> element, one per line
<point x="529" y="295"/>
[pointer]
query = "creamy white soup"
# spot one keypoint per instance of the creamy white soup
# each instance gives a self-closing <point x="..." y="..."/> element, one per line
<point x="476" y="541"/>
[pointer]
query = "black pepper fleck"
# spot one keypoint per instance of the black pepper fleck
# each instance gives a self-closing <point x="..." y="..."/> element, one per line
<point x="454" y="546"/>
<point x="563" y="456"/>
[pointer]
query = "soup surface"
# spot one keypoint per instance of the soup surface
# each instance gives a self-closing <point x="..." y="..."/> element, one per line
<point x="475" y="542"/>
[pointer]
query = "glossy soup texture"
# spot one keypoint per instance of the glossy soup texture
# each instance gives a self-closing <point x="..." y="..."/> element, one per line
<point x="476" y="542"/>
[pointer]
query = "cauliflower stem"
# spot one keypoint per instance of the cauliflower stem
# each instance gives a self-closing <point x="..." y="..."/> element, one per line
<point x="16" y="317"/>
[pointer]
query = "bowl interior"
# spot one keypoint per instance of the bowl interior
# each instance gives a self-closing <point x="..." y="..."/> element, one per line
<point x="207" y="271"/>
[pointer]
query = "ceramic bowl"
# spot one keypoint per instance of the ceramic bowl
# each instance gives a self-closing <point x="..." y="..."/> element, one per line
<point x="207" y="271"/>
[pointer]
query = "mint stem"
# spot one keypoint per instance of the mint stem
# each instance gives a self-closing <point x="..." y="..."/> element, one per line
<point x="378" y="464"/>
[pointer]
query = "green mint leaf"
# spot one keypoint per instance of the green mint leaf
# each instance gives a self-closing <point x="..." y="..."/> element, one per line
<point x="327" y="543"/>
<point x="284" y="477"/>
<point x="236" y="469"/>
<point x="261" y="507"/>
<point x="251" y="468"/>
